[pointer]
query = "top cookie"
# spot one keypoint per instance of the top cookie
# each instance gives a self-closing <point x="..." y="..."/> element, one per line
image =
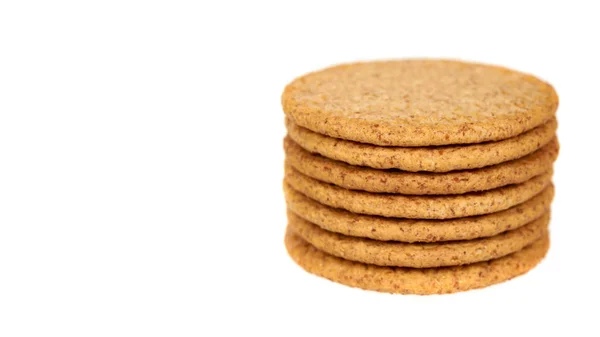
<point x="419" y="102"/>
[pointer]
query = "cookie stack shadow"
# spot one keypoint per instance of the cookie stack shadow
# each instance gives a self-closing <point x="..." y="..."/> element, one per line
<point x="399" y="202"/>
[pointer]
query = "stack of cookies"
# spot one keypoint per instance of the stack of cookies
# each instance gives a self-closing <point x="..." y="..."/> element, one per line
<point x="419" y="176"/>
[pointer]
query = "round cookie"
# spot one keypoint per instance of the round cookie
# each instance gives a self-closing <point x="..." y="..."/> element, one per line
<point x="419" y="102"/>
<point x="418" y="255"/>
<point x="419" y="183"/>
<point x="412" y="280"/>
<point x="430" y="159"/>
<point x="417" y="207"/>
<point x="417" y="230"/>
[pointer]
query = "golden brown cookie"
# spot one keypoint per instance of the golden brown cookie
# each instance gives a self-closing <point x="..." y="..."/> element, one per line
<point x="416" y="230"/>
<point x="425" y="281"/>
<point x="419" y="102"/>
<point x="430" y="159"/>
<point x="418" y="255"/>
<point x="417" y="207"/>
<point x="420" y="183"/>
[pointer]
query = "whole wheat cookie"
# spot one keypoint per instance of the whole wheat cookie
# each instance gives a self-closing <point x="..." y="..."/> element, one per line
<point x="419" y="102"/>
<point x="419" y="183"/>
<point x="416" y="230"/>
<point x="425" y="281"/>
<point x="417" y="207"/>
<point x="430" y="159"/>
<point x="418" y="255"/>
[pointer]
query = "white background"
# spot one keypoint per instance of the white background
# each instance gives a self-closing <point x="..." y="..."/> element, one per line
<point x="141" y="164"/>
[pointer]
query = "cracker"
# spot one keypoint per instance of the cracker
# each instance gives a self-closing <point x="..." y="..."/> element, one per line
<point x="418" y="255"/>
<point x="419" y="102"/>
<point x="417" y="230"/>
<point x="413" y="280"/>
<point x="417" y="207"/>
<point x="419" y="183"/>
<point x="430" y="159"/>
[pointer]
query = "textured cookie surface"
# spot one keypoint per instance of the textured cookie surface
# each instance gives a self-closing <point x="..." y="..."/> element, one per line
<point x="417" y="207"/>
<point x="431" y="159"/>
<point x="419" y="183"/>
<point x="412" y="280"/>
<point x="419" y="102"/>
<point x="418" y="255"/>
<point x="417" y="230"/>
